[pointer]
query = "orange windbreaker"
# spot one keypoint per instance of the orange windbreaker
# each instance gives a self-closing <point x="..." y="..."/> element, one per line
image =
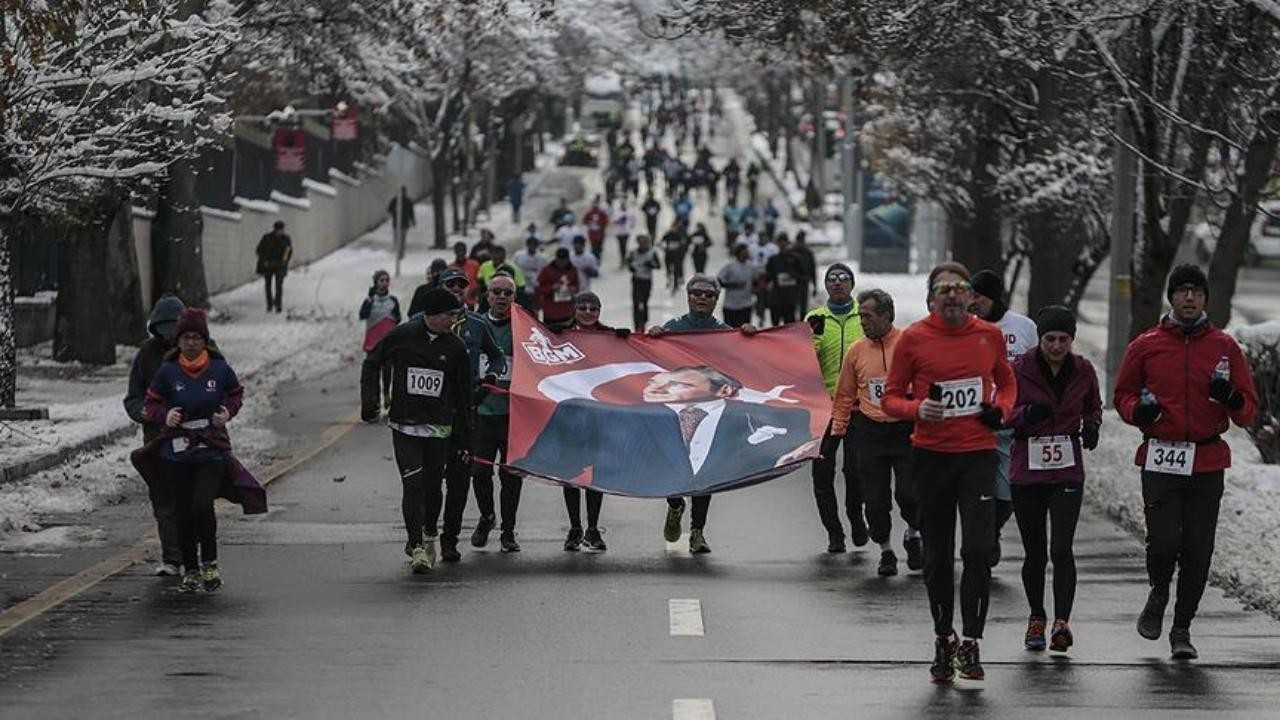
<point x="931" y="351"/>
<point x="866" y="365"/>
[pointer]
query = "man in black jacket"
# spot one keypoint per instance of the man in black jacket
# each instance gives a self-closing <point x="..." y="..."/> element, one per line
<point x="430" y="412"/>
<point x="275" y="250"/>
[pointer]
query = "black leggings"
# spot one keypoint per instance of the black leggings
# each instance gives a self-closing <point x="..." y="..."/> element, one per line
<point x="1182" y="523"/>
<point x="573" y="504"/>
<point x="698" y="518"/>
<point x="422" y="462"/>
<point x="946" y="482"/>
<point x="641" y="289"/>
<point x="195" y="485"/>
<point x="491" y="439"/>
<point x="1057" y="504"/>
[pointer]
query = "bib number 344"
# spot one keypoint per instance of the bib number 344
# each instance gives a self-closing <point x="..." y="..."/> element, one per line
<point x="1174" y="458"/>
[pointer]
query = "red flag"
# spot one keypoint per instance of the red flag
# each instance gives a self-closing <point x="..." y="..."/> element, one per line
<point x="686" y="413"/>
<point x="291" y="150"/>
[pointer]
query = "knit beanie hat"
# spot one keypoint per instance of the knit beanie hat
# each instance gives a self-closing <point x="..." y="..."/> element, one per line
<point x="193" y="320"/>
<point x="586" y="296"/>
<point x="1055" y="318"/>
<point x="1186" y="275"/>
<point x="838" y="266"/>
<point x="988" y="284"/>
<point x="439" y="300"/>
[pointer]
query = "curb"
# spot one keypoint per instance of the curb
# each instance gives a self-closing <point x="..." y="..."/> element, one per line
<point x="18" y="471"/>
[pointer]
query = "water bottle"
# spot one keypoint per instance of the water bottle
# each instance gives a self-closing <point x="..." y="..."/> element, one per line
<point x="1146" y="397"/>
<point x="1222" y="369"/>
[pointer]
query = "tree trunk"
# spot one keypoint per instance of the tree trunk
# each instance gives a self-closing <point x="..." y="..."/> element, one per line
<point x="1055" y="248"/>
<point x="1234" y="237"/>
<point x="85" y="327"/>
<point x="439" y="185"/>
<point x="978" y="243"/>
<point x="8" y="333"/>
<point x="176" y="241"/>
<point x="130" y="317"/>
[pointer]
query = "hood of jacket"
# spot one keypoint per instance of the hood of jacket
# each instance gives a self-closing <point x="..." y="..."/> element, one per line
<point x="166" y="309"/>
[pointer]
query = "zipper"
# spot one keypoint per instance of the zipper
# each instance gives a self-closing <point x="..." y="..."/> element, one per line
<point x="1186" y="383"/>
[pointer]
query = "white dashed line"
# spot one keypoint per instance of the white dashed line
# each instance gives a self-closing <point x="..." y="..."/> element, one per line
<point x="686" y="617"/>
<point x="693" y="709"/>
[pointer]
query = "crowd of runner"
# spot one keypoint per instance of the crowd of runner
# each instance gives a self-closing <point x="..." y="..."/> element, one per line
<point x="975" y="411"/>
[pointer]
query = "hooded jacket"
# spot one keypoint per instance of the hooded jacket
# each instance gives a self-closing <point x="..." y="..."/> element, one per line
<point x="147" y="360"/>
<point x="1081" y="403"/>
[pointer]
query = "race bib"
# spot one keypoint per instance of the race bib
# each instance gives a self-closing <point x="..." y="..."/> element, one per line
<point x="1050" y="453"/>
<point x="961" y="397"/>
<point x="1174" y="458"/>
<point x="180" y="444"/>
<point x="785" y="280"/>
<point x="504" y="375"/>
<point x="875" y="390"/>
<point x="562" y="294"/>
<point x="425" y="381"/>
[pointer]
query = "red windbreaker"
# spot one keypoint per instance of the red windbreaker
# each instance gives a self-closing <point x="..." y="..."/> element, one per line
<point x="556" y="290"/>
<point x="1177" y="367"/>
<point x="930" y="351"/>
<point x="596" y="220"/>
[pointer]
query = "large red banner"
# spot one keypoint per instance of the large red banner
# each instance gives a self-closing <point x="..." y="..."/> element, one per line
<point x="681" y="414"/>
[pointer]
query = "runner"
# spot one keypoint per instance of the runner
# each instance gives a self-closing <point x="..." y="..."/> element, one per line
<point x="588" y="264"/>
<point x="376" y="310"/>
<point x="641" y="262"/>
<point x="1182" y="383"/>
<point x="558" y="283"/>
<point x="429" y="412"/>
<point x="596" y="219"/>
<point x="651" y="208"/>
<point x="674" y="248"/>
<point x="703" y="291"/>
<point x="492" y="420"/>
<point x="1019" y="332"/>
<point x="738" y="278"/>
<point x="699" y="243"/>
<point x="836" y="326"/>
<point x="732" y="179"/>
<point x="884" y="443"/>
<point x="623" y="221"/>
<point x="950" y="375"/>
<point x="1057" y="413"/>
<point x="809" y="279"/>
<point x="783" y="272"/>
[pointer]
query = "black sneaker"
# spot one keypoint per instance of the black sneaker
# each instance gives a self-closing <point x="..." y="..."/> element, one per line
<point x="508" y="541"/>
<point x="484" y="526"/>
<point x="573" y="540"/>
<point x="943" y="668"/>
<point x="1151" y="620"/>
<point x="835" y="542"/>
<point x="888" y="564"/>
<point x="858" y="532"/>
<point x="915" y="552"/>
<point x="449" y="549"/>
<point x="671" y="528"/>
<point x="1180" y="646"/>
<point x="594" y="540"/>
<point x="967" y="662"/>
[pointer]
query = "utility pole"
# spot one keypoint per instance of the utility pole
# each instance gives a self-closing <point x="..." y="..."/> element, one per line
<point x="850" y="174"/>
<point x="1123" y="187"/>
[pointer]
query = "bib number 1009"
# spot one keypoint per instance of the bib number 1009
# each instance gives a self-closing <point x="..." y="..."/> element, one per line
<point x="425" y="381"/>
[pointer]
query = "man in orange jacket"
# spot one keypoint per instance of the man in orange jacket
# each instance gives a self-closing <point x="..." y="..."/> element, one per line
<point x="1182" y="382"/>
<point x="884" y="451"/>
<point x="951" y="377"/>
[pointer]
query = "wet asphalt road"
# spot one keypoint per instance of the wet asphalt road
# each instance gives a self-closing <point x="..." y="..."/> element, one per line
<point x="321" y="619"/>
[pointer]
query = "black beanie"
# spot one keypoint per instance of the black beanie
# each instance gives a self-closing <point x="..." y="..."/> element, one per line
<point x="988" y="284"/>
<point x="1055" y="318"/>
<point x="439" y="300"/>
<point x="838" y="266"/>
<point x="1186" y="275"/>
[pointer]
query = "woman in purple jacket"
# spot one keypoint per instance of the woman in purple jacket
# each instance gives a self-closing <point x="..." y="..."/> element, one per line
<point x="1057" y="413"/>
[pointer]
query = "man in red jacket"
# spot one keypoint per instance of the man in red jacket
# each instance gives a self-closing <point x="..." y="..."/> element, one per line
<point x="596" y="218"/>
<point x="950" y="375"/>
<point x="558" y="283"/>
<point x="1182" y="382"/>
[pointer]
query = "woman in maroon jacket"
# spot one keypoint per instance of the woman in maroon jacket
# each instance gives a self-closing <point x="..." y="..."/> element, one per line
<point x="1057" y="414"/>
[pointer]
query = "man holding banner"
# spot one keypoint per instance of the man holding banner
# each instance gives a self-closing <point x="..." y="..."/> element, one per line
<point x="493" y="417"/>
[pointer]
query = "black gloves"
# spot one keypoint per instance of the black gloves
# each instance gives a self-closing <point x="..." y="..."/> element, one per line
<point x="1089" y="435"/>
<point x="1146" y="413"/>
<point x="817" y="323"/>
<point x="623" y="333"/>
<point x="369" y="414"/>
<point x="1038" y="412"/>
<point x="490" y="379"/>
<point x="1220" y="389"/>
<point x="830" y="444"/>
<point x="991" y="416"/>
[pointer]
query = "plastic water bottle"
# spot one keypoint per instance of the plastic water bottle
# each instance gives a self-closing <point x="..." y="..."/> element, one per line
<point x="1222" y="369"/>
<point x="1146" y="397"/>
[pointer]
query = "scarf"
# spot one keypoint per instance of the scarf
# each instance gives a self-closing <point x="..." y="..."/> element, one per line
<point x="196" y="366"/>
<point x="844" y="309"/>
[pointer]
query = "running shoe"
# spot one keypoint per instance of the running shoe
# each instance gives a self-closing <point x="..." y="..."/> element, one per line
<point x="1060" y="639"/>
<point x="449" y="549"/>
<point x="165" y="569"/>
<point x="432" y="555"/>
<point x="1151" y="621"/>
<point x="1034" y="639"/>
<point x="420" y="562"/>
<point x="573" y="540"/>
<point x="484" y="526"/>
<point x="858" y="531"/>
<point x="508" y="541"/>
<point x="1180" y="644"/>
<point x="671" y="528"/>
<point x="697" y="543"/>
<point x="211" y="577"/>
<point x="835" y="542"/>
<point x="594" y="540"/>
<point x="888" y="564"/>
<point x="943" y="668"/>
<point x="968" y="664"/>
<point x="915" y="552"/>
<point x="190" y="582"/>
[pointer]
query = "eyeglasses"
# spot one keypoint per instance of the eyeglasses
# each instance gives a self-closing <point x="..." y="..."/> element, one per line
<point x="839" y="277"/>
<point x="588" y="308"/>
<point x="708" y="294"/>
<point x="1188" y="290"/>
<point x="502" y="292"/>
<point x="458" y="283"/>
<point x="951" y="288"/>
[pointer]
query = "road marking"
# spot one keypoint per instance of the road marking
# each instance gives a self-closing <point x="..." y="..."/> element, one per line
<point x="64" y="590"/>
<point x="693" y="709"/>
<point x="686" y="617"/>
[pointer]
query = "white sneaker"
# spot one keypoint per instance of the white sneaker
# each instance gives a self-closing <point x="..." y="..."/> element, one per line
<point x="167" y="570"/>
<point x="430" y="548"/>
<point x="420" y="562"/>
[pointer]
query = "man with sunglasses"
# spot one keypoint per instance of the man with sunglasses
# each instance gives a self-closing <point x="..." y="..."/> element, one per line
<point x="703" y="292"/>
<point x="836" y="326"/>
<point x="951" y="376"/>
<point x="1182" y="383"/>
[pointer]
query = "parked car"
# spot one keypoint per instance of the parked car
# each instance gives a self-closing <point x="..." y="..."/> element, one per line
<point x="1264" y="237"/>
<point x="582" y="150"/>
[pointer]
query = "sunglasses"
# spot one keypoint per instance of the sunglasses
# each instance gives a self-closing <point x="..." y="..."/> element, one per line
<point x="457" y="283"/>
<point x="708" y="294"/>
<point x="951" y="288"/>
<point x="588" y="308"/>
<point x="502" y="292"/>
<point x="839" y="277"/>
